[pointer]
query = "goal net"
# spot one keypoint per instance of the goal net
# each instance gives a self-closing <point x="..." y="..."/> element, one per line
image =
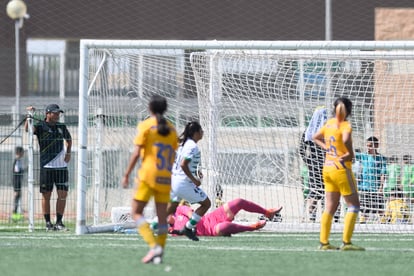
<point x="254" y="100"/>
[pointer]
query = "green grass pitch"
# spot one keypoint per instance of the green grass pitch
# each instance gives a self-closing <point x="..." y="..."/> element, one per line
<point x="259" y="253"/>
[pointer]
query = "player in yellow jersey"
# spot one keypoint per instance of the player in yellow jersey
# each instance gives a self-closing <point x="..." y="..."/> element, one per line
<point x="397" y="210"/>
<point x="335" y="137"/>
<point x="155" y="143"/>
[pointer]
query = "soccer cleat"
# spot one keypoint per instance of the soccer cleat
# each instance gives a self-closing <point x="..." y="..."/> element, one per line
<point x="60" y="227"/>
<point x="270" y="213"/>
<point x="154" y="255"/>
<point x="328" y="246"/>
<point x="258" y="225"/>
<point x="49" y="226"/>
<point x="351" y="247"/>
<point x="190" y="233"/>
<point x="277" y="218"/>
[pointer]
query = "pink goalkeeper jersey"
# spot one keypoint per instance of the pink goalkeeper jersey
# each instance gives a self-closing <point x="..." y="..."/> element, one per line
<point x="205" y="227"/>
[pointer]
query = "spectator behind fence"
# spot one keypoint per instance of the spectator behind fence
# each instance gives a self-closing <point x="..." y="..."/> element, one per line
<point x="397" y="211"/>
<point x="18" y="171"/>
<point x="407" y="181"/>
<point x="407" y="178"/>
<point x="374" y="170"/>
<point x="393" y="176"/>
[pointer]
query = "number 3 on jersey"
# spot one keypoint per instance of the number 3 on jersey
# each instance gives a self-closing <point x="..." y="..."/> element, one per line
<point x="165" y="156"/>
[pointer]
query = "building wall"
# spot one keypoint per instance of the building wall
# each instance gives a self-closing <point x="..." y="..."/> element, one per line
<point x="393" y="88"/>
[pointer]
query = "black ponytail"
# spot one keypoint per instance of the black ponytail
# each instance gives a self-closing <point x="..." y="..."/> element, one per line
<point x="158" y="105"/>
<point x="190" y="129"/>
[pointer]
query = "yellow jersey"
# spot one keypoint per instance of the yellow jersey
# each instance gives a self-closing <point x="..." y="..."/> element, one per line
<point x="397" y="211"/>
<point x="332" y="134"/>
<point x="158" y="154"/>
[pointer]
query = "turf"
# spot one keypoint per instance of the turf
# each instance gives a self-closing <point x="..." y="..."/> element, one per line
<point x="260" y="253"/>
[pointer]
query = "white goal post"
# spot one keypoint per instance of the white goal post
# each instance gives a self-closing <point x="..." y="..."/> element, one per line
<point x="254" y="99"/>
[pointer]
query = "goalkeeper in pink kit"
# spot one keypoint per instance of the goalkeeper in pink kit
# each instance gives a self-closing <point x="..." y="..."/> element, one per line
<point x="220" y="221"/>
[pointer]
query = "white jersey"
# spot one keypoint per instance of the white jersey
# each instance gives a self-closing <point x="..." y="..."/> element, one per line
<point x="319" y="117"/>
<point x="188" y="151"/>
<point x="181" y="186"/>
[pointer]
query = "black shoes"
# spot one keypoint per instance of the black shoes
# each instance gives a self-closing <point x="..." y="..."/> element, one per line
<point x="49" y="226"/>
<point x="59" y="226"/>
<point x="190" y="233"/>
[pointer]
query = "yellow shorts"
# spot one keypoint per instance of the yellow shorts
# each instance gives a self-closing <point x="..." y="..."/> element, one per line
<point x="144" y="193"/>
<point x="342" y="181"/>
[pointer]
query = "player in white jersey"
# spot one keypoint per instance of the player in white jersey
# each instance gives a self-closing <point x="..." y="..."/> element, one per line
<point x="191" y="152"/>
<point x="186" y="178"/>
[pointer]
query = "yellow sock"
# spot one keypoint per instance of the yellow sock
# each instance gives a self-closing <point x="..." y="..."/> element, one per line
<point x="162" y="240"/>
<point x="146" y="233"/>
<point x="349" y="225"/>
<point x="326" y="223"/>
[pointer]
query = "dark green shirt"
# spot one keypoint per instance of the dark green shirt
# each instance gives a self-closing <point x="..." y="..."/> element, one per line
<point x="51" y="140"/>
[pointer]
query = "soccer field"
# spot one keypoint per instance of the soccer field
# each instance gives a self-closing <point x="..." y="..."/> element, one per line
<point x="260" y="253"/>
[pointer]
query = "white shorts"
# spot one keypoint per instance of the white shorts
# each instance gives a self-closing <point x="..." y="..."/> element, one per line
<point x="183" y="188"/>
